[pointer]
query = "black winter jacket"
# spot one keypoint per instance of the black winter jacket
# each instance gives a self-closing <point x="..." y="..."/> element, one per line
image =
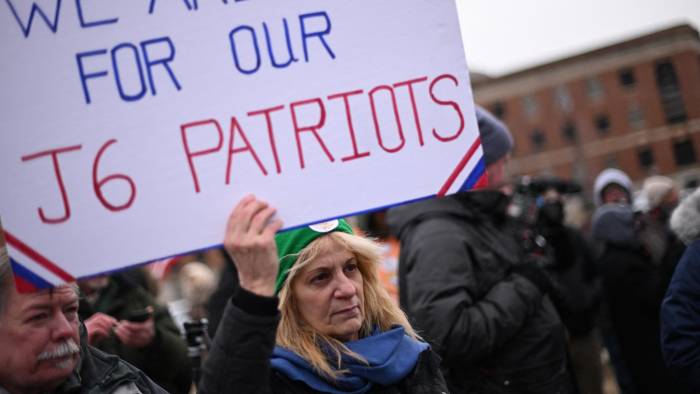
<point x="239" y="360"/>
<point x="633" y="289"/>
<point x="102" y="373"/>
<point x="491" y="327"/>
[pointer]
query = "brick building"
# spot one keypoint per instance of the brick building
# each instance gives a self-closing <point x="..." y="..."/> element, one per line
<point x="634" y="105"/>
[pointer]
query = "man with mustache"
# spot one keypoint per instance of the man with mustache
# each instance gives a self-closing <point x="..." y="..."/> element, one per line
<point x="43" y="345"/>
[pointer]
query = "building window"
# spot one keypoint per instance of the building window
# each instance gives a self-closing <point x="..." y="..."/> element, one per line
<point x="538" y="139"/>
<point x="684" y="152"/>
<point x="670" y="92"/>
<point x="646" y="158"/>
<point x="611" y="162"/>
<point x="569" y="132"/>
<point x="627" y="78"/>
<point x="498" y="109"/>
<point x="635" y="116"/>
<point x="594" y="89"/>
<point x="530" y="105"/>
<point x="563" y="99"/>
<point x="602" y="123"/>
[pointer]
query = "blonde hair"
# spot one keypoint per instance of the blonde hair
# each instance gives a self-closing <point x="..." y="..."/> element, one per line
<point x="379" y="309"/>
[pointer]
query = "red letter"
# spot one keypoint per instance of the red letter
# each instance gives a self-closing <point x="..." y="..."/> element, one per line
<point x="270" y="133"/>
<point x="396" y="115"/>
<point x="191" y="155"/>
<point x="232" y="150"/>
<point x="416" y="118"/>
<point x="351" y="128"/>
<point x="313" y="129"/>
<point x="451" y="104"/>
<point x="98" y="185"/>
<point x="57" y="170"/>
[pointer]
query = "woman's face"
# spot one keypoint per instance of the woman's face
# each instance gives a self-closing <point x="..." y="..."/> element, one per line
<point x="329" y="296"/>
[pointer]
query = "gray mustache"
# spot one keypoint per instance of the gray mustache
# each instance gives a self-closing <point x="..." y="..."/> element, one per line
<point x="66" y="348"/>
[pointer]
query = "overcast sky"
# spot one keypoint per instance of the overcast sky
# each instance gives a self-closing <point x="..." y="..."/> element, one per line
<point x="501" y="36"/>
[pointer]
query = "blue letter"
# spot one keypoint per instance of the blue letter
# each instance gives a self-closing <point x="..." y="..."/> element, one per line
<point x="235" y="53"/>
<point x="195" y="4"/>
<point x="79" y="7"/>
<point x="35" y="9"/>
<point x="289" y="46"/>
<point x="84" y="77"/>
<point x="123" y="95"/>
<point x="319" y="34"/>
<point x="153" y="5"/>
<point x="164" y="61"/>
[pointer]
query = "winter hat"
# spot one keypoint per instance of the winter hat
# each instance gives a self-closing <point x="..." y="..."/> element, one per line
<point x="685" y="221"/>
<point x="290" y="243"/>
<point x="615" y="224"/>
<point x="496" y="140"/>
<point x="656" y="188"/>
<point x="608" y="177"/>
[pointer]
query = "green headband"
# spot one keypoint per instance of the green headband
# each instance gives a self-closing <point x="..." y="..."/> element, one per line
<point x="290" y="243"/>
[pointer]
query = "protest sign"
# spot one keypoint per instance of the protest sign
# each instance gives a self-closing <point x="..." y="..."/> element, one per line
<point x="131" y="129"/>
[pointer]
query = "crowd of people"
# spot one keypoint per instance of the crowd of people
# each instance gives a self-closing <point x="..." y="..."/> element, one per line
<point x="493" y="292"/>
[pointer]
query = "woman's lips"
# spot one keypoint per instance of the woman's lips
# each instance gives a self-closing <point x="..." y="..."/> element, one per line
<point x="351" y="310"/>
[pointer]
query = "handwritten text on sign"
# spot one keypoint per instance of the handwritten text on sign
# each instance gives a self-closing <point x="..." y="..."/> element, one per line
<point x="135" y="126"/>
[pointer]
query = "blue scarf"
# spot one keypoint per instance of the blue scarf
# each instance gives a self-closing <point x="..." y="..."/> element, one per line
<point x="391" y="355"/>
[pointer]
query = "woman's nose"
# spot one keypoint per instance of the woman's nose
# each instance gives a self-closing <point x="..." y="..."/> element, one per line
<point x="345" y="287"/>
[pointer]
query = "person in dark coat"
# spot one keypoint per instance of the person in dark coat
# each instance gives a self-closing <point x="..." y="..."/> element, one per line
<point x="310" y="315"/>
<point x="465" y="284"/>
<point x="680" y="310"/>
<point x="572" y="267"/>
<point x="44" y="347"/>
<point x="151" y="341"/>
<point x="613" y="186"/>
<point x="633" y="287"/>
<point x="658" y="198"/>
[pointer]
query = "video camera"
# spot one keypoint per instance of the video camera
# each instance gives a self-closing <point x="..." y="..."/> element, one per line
<point x="198" y="344"/>
<point x="525" y="209"/>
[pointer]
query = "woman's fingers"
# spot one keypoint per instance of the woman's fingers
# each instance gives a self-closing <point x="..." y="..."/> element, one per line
<point x="261" y="219"/>
<point x="244" y="213"/>
<point x="272" y="228"/>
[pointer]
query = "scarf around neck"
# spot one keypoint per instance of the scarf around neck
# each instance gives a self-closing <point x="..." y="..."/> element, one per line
<point x="391" y="356"/>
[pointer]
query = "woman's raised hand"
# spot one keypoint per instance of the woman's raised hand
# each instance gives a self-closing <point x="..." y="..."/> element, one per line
<point x="250" y="241"/>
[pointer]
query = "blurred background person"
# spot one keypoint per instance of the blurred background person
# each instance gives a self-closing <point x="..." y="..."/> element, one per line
<point x="659" y="197"/>
<point x="186" y="288"/>
<point x="377" y="228"/>
<point x="568" y="258"/>
<point x="123" y="318"/>
<point x="611" y="186"/>
<point x="680" y="311"/>
<point x="632" y="287"/>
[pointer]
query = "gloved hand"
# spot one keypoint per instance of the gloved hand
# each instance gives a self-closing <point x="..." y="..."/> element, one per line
<point x="535" y="274"/>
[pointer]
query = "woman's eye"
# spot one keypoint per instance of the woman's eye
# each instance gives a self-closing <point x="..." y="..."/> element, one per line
<point x="351" y="267"/>
<point x="319" y="278"/>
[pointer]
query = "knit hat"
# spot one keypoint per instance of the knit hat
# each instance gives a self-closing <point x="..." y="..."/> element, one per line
<point x="614" y="224"/>
<point x="290" y="243"/>
<point x="496" y="140"/>
<point x="656" y="188"/>
<point x="608" y="177"/>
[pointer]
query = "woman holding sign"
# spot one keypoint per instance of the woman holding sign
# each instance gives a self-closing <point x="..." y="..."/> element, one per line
<point x="311" y="315"/>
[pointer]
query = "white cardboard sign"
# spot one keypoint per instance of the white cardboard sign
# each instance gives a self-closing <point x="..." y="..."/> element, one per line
<point x="131" y="128"/>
